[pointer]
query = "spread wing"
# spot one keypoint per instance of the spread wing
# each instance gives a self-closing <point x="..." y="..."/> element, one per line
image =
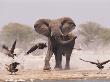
<point x="32" y="49"/>
<point x="105" y="62"/>
<point x="5" y="47"/>
<point x="13" y="47"/>
<point x="42" y="45"/>
<point x="10" y="55"/>
<point x="88" y="61"/>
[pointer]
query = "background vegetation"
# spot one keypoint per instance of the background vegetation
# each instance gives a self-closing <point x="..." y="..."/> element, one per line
<point x="91" y="36"/>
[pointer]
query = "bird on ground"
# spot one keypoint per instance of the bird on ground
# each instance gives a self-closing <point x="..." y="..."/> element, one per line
<point x="100" y="65"/>
<point x="37" y="46"/>
<point x="12" y="67"/>
<point x="10" y="52"/>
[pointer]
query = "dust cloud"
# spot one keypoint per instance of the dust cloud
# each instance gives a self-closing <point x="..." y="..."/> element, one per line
<point x="37" y="62"/>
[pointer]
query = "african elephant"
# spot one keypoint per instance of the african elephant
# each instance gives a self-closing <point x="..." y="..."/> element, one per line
<point x="55" y="30"/>
<point x="65" y="49"/>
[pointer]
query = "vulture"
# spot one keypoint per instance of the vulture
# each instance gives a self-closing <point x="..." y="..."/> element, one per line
<point x="37" y="46"/>
<point x="12" y="67"/>
<point x="10" y="52"/>
<point x="100" y="65"/>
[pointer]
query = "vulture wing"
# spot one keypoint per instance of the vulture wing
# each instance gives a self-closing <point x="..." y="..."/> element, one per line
<point x="13" y="47"/>
<point x="89" y="61"/>
<point x="5" y="47"/>
<point x="105" y="62"/>
<point x="32" y="49"/>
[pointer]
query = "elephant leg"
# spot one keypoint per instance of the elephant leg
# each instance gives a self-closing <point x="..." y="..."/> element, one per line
<point x="48" y="57"/>
<point x="67" y="65"/>
<point x="58" y="58"/>
<point x="60" y="61"/>
<point x="56" y="61"/>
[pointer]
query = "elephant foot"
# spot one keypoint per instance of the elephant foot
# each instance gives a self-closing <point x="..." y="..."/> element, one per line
<point x="47" y="68"/>
<point x="67" y="68"/>
<point x="58" y="68"/>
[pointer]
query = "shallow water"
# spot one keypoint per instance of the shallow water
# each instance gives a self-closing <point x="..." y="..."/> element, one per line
<point x="66" y="81"/>
<point x="74" y="81"/>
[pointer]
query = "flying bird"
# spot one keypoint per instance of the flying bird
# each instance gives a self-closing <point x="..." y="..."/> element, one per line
<point x="12" y="67"/>
<point x="10" y="52"/>
<point x="37" y="46"/>
<point x="100" y="65"/>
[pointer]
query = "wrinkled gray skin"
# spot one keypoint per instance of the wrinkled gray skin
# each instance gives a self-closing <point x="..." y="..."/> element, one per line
<point x="64" y="49"/>
<point x="59" y="42"/>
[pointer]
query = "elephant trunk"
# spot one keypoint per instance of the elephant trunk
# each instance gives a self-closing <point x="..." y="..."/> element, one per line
<point x="65" y="39"/>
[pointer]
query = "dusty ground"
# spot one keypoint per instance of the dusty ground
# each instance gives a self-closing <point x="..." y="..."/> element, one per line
<point x="31" y="67"/>
<point x="55" y="75"/>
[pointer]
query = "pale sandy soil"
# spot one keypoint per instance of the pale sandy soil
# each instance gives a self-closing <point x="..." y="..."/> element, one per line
<point x="55" y="75"/>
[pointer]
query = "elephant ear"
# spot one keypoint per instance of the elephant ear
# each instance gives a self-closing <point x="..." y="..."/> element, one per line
<point x="42" y="27"/>
<point x="67" y="25"/>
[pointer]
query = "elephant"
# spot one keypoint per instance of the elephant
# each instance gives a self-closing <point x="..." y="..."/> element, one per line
<point x="64" y="49"/>
<point x="57" y="31"/>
